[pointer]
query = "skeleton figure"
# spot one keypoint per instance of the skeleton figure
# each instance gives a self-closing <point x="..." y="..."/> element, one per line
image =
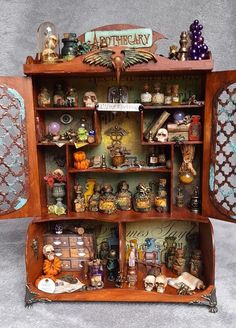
<point x="161" y="283"/>
<point x="162" y="135"/>
<point x="49" y="252"/>
<point x="149" y="283"/>
<point x="90" y="99"/>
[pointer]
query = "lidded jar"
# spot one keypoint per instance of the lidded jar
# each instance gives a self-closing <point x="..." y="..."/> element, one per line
<point x="168" y="98"/>
<point x="146" y="97"/>
<point x="142" y="200"/>
<point x="72" y="98"/>
<point x="175" y="94"/>
<point x="123" y="196"/>
<point x="59" y="96"/>
<point x="44" y="98"/>
<point x="157" y="96"/>
<point x="70" y="48"/>
<point x="107" y="200"/>
<point x="195" y="129"/>
<point x="47" y="43"/>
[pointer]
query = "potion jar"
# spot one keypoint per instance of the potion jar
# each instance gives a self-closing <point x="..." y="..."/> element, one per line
<point x="93" y="202"/>
<point x="175" y="95"/>
<point x="59" y="96"/>
<point x="195" y="129"/>
<point x="47" y="43"/>
<point x="161" y="197"/>
<point x="107" y="201"/>
<point x="72" y="99"/>
<point x="44" y="98"/>
<point x="168" y="98"/>
<point x="70" y="48"/>
<point x="157" y="96"/>
<point x="80" y="200"/>
<point x="58" y="192"/>
<point x="146" y="97"/>
<point x="142" y="200"/>
<point x="123" y="196"/>
<point x="82" y="132"/>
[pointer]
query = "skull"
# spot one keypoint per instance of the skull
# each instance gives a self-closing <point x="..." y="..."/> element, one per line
<point x="162" y="135"/>
<point x="149" y="283"/>
<point x="49" y="252"/>
<point x="161" y="283"/>
<point x="90" y="99"/>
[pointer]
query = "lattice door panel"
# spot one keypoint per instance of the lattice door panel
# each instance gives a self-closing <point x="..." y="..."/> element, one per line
<point x="223" y="152"/>
<point x="13" y="151"/>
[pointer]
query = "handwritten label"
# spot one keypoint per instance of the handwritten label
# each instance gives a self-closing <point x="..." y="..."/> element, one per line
<point x="135" y="38"/>
<point x="118" y="107"/>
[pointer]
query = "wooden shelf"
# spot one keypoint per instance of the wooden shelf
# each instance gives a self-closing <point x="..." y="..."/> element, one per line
<point x="121" y="171"/>
<point x="186" y="142"/>
<point x="65" y="108"/>
<point x="179" y="214"/>
<point x="81" y="144"/>
<point x="181" y="106"/>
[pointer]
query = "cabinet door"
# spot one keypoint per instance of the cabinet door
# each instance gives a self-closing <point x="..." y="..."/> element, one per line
<point x="19" y="187"/>
<point x="219" y="151"/>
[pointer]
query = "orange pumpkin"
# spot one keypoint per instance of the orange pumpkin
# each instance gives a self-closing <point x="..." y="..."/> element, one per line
<point x="77" y="165"/>
<point x="52" y="268"/>
<point x="44" y="277"/>
<point x="79" y="156"/>
<point x="84" y="164"/>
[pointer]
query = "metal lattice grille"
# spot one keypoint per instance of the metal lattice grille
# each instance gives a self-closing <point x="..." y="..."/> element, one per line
<point x="223" y="153"/>
<point x="13" y="151"/>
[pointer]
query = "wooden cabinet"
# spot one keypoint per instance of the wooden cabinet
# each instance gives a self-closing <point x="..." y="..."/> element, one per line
<point x="26" y="158"/>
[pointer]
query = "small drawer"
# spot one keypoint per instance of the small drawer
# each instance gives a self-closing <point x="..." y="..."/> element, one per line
<point x="75" y="264"/>
<point x="73" y="241"/>
<point x="88" y="240"/>
<point x="60" y="241"/>
<point x="74" y="252"/>
<point x="65" y="264"/>
<point x="48" y="240"/>
<point x="62" y="252"/>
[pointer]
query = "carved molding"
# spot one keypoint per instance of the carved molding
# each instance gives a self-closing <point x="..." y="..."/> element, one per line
<point x="32" y="298"/>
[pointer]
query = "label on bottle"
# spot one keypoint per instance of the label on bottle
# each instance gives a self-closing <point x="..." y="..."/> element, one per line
<point x="153" y="160"/>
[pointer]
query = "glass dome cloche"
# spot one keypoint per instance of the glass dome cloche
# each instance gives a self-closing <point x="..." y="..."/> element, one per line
<point x="47" y="43"/>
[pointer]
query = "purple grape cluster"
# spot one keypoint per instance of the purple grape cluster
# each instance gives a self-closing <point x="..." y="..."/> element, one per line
<point x="198" y="49"/>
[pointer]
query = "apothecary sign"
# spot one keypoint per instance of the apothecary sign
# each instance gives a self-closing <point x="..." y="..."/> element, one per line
<point x="135" y="38"/>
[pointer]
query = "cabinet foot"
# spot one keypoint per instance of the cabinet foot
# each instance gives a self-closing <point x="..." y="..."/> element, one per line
<point x="31" y="298"/>
<point x="208" y="300"/>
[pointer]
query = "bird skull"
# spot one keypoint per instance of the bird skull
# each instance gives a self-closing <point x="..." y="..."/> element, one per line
<point x="49" y="252"/>
<point x="162" y="135"/>
<point x="149" y="283"/>
<point x="90" y="99"/>
<point x="161" y="283"/>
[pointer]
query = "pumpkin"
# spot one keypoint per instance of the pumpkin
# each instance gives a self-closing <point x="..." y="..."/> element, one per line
<point x="77" y="165"/>
<point x="79" y="156"/>
<point x="84" y="164"/>
<point x="52" y="268"/>
<point x="44" y="277"/>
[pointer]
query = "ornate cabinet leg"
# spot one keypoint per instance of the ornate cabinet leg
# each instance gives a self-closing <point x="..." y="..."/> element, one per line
<point x="31" y="298"/>
<point x="208" y="300"/>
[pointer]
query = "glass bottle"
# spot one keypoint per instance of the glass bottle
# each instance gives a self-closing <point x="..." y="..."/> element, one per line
<point x="59" y="96"/>
<point x="142" y="200"/>
<point x="123" y="196"/>
<point x="70" y="48"/>
<point x="71" y="98"/>
<point x="161" y="197"/>
<point x="93" y="203"/>
<point x="44" y="98"/>
<point x="47" y="43"/>
<point x="175" y="95"/>
<point x="195" y="128"/>
<point x="146" y="97"/>
<point x="157" y="96"/>
<point x="168" y="98"/>
<point x="82" y="132"/>
<point x="91" y="136"/>
<point x="107" y="201"/>
<point x="79" y="201"/>
<point x="152" y="159"/>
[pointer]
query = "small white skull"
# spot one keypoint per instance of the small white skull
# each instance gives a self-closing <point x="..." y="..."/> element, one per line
<point x="149" y="283"/>
<point x="161" y="283"/>
<point x="49" y="252"/>
<point x="162" y="135"/>
<point x="90" y="99"/>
